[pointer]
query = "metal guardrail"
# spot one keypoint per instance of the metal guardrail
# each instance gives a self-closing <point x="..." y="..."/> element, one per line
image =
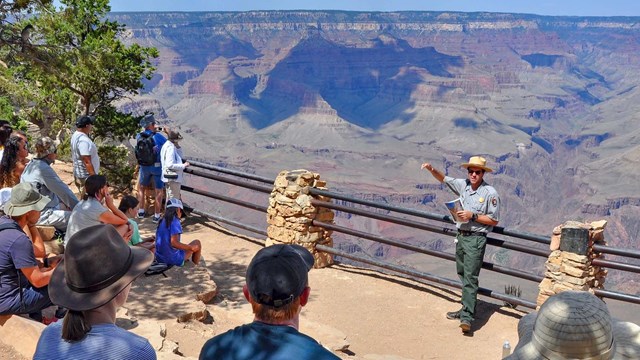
<point x="541" y="239"/>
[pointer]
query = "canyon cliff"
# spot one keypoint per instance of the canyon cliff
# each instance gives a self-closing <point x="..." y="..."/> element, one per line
<point x="365" y="98"/>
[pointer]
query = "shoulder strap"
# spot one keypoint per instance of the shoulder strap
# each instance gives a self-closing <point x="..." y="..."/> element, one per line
<point x="10" y="225"/>
<point x="15" y="226"/>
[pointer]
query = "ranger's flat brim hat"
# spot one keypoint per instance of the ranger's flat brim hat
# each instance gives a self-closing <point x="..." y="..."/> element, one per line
<point x="477" y="162"/>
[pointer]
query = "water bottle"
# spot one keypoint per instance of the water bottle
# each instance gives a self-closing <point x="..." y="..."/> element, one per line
<point x="506" y="349"/>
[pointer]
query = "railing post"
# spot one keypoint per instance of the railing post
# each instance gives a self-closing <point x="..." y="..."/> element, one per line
<point x="290" y="214"/>
<point x="569" y="265"/>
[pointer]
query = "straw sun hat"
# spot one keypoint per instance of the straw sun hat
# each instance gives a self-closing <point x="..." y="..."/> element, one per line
<point x="575" y="325"/>
<point x="477" y="162"/>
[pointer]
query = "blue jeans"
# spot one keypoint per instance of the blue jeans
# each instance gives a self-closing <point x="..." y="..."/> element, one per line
<point x="34" y="300"/>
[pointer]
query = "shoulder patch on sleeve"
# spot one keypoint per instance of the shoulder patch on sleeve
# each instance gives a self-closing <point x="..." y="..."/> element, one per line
<point x="494" y="202"/>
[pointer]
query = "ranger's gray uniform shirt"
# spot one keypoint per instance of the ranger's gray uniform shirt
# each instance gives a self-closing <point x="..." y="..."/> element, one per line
<point x="483" y="201"/>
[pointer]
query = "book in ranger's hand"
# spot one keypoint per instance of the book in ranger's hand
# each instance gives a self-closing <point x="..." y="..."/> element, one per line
<point x="454" y="206"/>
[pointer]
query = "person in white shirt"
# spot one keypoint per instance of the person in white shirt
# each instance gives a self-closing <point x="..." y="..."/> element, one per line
<point x="172" y="165"/>
<point x="84" y="152"/>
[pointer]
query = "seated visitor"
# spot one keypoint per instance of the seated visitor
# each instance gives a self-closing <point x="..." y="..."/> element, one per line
<point x="169" y="249"/>
<point x="23" y="280"/>
<point x="277" y="286"/>
<point x="13" y="162"/>
<point x="575" y="325"/>
<point x="92" y="291"/>
<point x="41" y="175"/>
<point x="90" y="210"/>
<point x="129" y="205"/>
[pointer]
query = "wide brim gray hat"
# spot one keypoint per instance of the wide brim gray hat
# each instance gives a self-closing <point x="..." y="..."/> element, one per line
<point x="575" y="325"/>
<point x="25" y="198"/>
<point x="97" y="265"/>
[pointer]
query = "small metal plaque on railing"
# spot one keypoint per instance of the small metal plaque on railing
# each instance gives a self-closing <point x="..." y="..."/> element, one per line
<point x="574" y="240"/>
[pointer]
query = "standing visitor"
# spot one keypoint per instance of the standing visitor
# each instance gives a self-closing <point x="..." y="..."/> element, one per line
<point x="481" y="212"/>
<point x="92" y="291"/>
<point x="147" y="151"/>
<point x="172" y="165"/>
<point x="84" y="153"/>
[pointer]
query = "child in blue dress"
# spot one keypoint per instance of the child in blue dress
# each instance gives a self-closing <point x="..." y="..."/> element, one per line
<point x="169" y="249"/>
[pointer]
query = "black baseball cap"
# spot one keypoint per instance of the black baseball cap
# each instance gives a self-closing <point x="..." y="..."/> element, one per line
<point x="278" y="274"/>
<point x="85" y="120"/>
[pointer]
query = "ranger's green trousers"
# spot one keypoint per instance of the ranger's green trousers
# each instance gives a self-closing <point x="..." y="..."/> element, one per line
<point x="469" y="255"/>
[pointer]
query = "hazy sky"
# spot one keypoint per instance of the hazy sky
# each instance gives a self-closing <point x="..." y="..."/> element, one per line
<point x="542" y="7"/>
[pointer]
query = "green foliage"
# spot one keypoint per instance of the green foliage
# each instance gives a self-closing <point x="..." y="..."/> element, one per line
<point x="117" y="166"/>
<point x="73" y="63"/>
<point x="6" y="109"/>
<point x="112" y="124"/>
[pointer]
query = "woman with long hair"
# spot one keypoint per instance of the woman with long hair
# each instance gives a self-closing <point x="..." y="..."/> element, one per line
<point x="92" y="291"/>
<point x="97" y="207"/>
<point x="13" y="161"/>
<point x="169" y="249"/>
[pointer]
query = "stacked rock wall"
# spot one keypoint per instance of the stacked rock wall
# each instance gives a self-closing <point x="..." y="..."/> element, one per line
<point x="571" y="269"/>
<point x="290" y="214"/>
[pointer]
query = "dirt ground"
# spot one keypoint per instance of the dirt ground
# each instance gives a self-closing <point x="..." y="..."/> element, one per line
<point x="378" y="316"/>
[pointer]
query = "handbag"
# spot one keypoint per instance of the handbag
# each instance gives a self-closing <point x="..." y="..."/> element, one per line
<point x="170" y="174"/>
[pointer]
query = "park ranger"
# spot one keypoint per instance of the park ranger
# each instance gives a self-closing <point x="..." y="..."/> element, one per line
<point x="481" y="212"/>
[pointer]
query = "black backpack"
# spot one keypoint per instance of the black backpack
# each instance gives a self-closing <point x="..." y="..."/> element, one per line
<point x="144" y="150"/>
<point x="157" y="268"/>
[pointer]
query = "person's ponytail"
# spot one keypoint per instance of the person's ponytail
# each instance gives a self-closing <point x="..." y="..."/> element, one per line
<point x="74" y="326"/>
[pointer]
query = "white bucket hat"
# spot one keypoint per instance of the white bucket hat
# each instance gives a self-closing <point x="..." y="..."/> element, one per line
<point x="575" y="325"/>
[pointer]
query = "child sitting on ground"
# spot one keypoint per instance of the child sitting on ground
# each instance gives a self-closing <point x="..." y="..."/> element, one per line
<point x="169" y="249"/>
<point x="129" y="206"/>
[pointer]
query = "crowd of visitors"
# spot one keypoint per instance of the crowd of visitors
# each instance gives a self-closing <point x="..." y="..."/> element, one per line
<point x="32" y="194"/>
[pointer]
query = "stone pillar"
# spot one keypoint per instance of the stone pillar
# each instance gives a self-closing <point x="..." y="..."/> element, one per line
<point x="569" y="265"/>
<point x="290" y="214"/>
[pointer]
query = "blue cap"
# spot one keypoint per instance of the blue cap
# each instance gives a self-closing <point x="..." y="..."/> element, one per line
<point x="147" y="120"/>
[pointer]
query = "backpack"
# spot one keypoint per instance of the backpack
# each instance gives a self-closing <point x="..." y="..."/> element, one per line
<point x="144" y="150"/>
<point x="157" y="268"/>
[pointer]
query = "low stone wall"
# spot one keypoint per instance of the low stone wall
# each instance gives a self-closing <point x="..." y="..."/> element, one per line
<point x="290" y="214"/>
<point x="21" y="333"/>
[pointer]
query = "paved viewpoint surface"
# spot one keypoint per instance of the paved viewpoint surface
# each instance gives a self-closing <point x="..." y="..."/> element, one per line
<point x="369" y="315"/>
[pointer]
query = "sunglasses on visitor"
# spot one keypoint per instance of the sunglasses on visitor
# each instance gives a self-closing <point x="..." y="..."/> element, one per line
<point x="477" y="172"/>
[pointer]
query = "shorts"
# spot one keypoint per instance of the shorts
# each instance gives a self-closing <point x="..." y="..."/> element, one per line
<point x="148" y="173"/>
<point x="80" y="185"/>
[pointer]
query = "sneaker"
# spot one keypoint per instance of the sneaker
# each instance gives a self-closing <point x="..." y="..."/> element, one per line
<point x="453" y="315"/>
<point x="141" y="214"/>
<point x="155" y="219"/>
<point x="465" y="325"/>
